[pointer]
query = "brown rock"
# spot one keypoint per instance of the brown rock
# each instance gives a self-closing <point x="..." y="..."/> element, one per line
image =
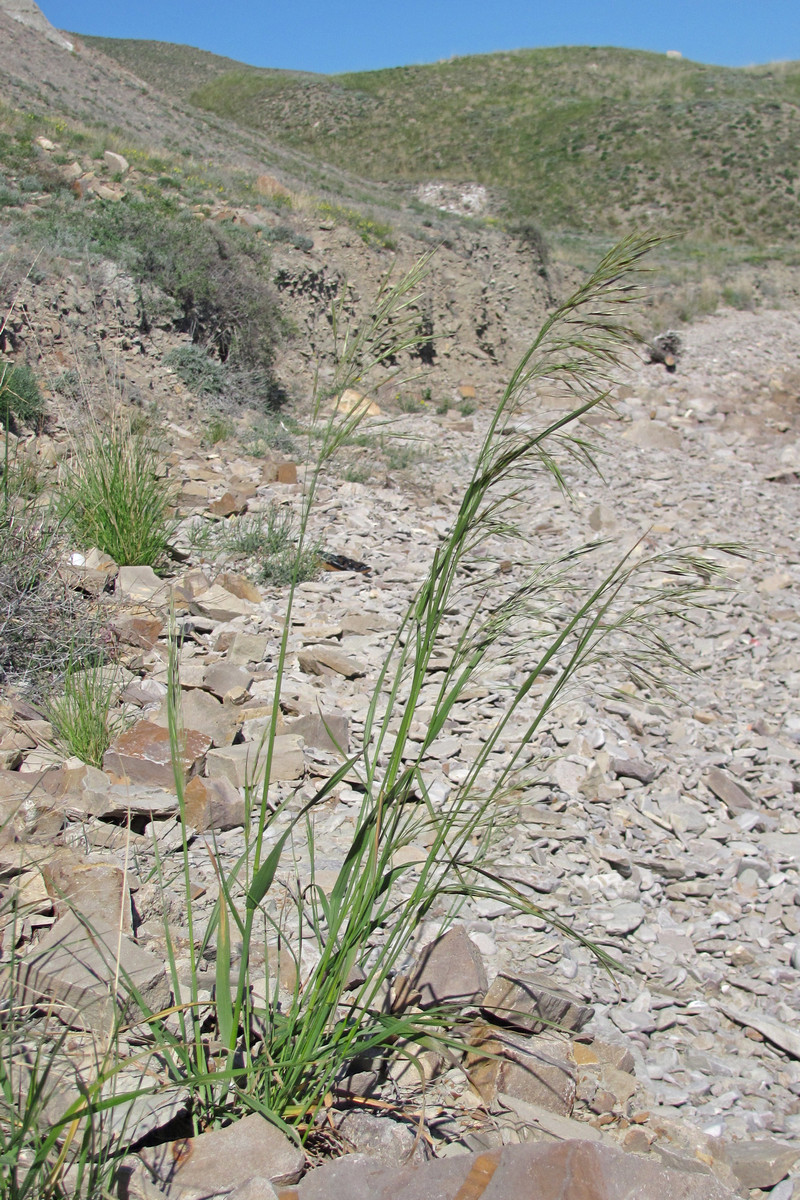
<point x="224" y="677"/>
<point x="213" y="804"/>
<point x="219" y="604"/>
<point x="532" y="1004"/>
<point x="380" y="1137"/>
<point x="352" y="401"/>
<point x="633" y="768"/>
<point x="570" y="1170"/>
<point x="287" y="473"/>
<point x="95" y="890"/>
<point x="247" y="648"/>
<point x="141" y="585"/>
<point x="229" y="504"/>
<point x="449" y="971"/>
<point x="142" y="754"/>
<point x="202" y="711"/>
<point x="537" y="1070"/>
<point x="244" y="765"/>
<point x="85" y="975"/>
<point x="192" y="584"/>
<point x="217" y="1162"/>
<point x="329" y="731"/>
<point x="139" y="630"/>
<point x="241" y="586"/>
<point x="316" y="659"/>
<point x="762" y="1163"/>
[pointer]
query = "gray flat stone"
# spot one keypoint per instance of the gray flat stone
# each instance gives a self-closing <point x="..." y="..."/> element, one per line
<point x="221" y="1160"/>
<point x="532" y="1004"/>
<point x="75" y="971"/>
<point x="244" y="765"/>
<point x="733" y="795"/>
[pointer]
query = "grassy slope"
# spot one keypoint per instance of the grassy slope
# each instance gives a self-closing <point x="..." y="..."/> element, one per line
<point x="580" y="138"/>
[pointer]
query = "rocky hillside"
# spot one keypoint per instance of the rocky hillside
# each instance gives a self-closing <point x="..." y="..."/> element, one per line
<point x="581" y="138"/>
<point x="399" y="944"/>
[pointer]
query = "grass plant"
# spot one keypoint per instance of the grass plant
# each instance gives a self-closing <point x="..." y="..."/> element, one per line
<point x="42" y="620"/>
<point x="282" y="1057"/>
<point x="81" y="717"/>
<point x="281" y="1053"/>
<point x="268" y="539"/>
<point x="116" y="499"/>
<point x="20" y="398"/>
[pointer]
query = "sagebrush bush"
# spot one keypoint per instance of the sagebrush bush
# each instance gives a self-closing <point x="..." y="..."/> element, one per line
<point x="220" y="280"/>
<point x="193" y="367"/>
<point x="43" y="621"/>
<point x="114" y="497"/>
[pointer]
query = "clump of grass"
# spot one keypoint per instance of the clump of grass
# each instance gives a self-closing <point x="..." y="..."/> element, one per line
<point x="269" y="540"/>
<point x="41" y="617"/>
<point x="20" y="398"/>
<point x="400" y="454"/>
<point x="115" y="497"/>
<point x="283" y="1057"/>
<point x="218" y="429"/>
<point x="467" y="408"/>
<point x="196" y="369"/>
<point x="356" y="474"/>
<point x="81" y="717"/>
<point x="255" y="1050"/>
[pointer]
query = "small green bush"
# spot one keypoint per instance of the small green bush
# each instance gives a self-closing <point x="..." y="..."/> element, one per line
<point x="220" y="280"/>
<point x="194" y="367"/>
<point x="43" y="621"/>
<point x="115" y="498"/>
<point x="20" y="398"/>
<point x="270" y="538"/>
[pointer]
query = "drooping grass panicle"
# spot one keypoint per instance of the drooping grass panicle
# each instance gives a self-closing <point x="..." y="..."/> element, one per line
<point x="345" y="941"/>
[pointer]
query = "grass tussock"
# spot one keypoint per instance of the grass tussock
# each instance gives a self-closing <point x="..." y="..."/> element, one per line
<point x="20" y="398"/>
<point x="115" y="498"/>
<point x="281" y="1041"/>
<point x="284" y="1054"/>
<point x="81" y="716"/>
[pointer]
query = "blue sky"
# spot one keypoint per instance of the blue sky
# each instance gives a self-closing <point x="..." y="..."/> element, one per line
<point x="331" y="36"/>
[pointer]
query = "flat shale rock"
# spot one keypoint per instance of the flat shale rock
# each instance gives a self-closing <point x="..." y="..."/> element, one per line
<point x="735" y="797"/>
<point x="532" y="1004"/>
<point x="141" y="585"/>
<point x="538" y="1070"/>
<point x="142" y="754"/>
<point x="316" y="660"/>
<point x="761" y="1164"/>
<point x="244" y="765"/>
<point x="572" y="1170"/>
<point x="213" y="804"/>
<point x="217" y="1162"/>
<point x="450" y="971"/>
<point x="328" y="731"/>
<point x="74" y="971"/>
<point x="221" y="605"/>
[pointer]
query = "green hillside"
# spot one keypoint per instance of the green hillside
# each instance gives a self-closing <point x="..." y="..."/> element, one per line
<point x="582" y="138"/>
